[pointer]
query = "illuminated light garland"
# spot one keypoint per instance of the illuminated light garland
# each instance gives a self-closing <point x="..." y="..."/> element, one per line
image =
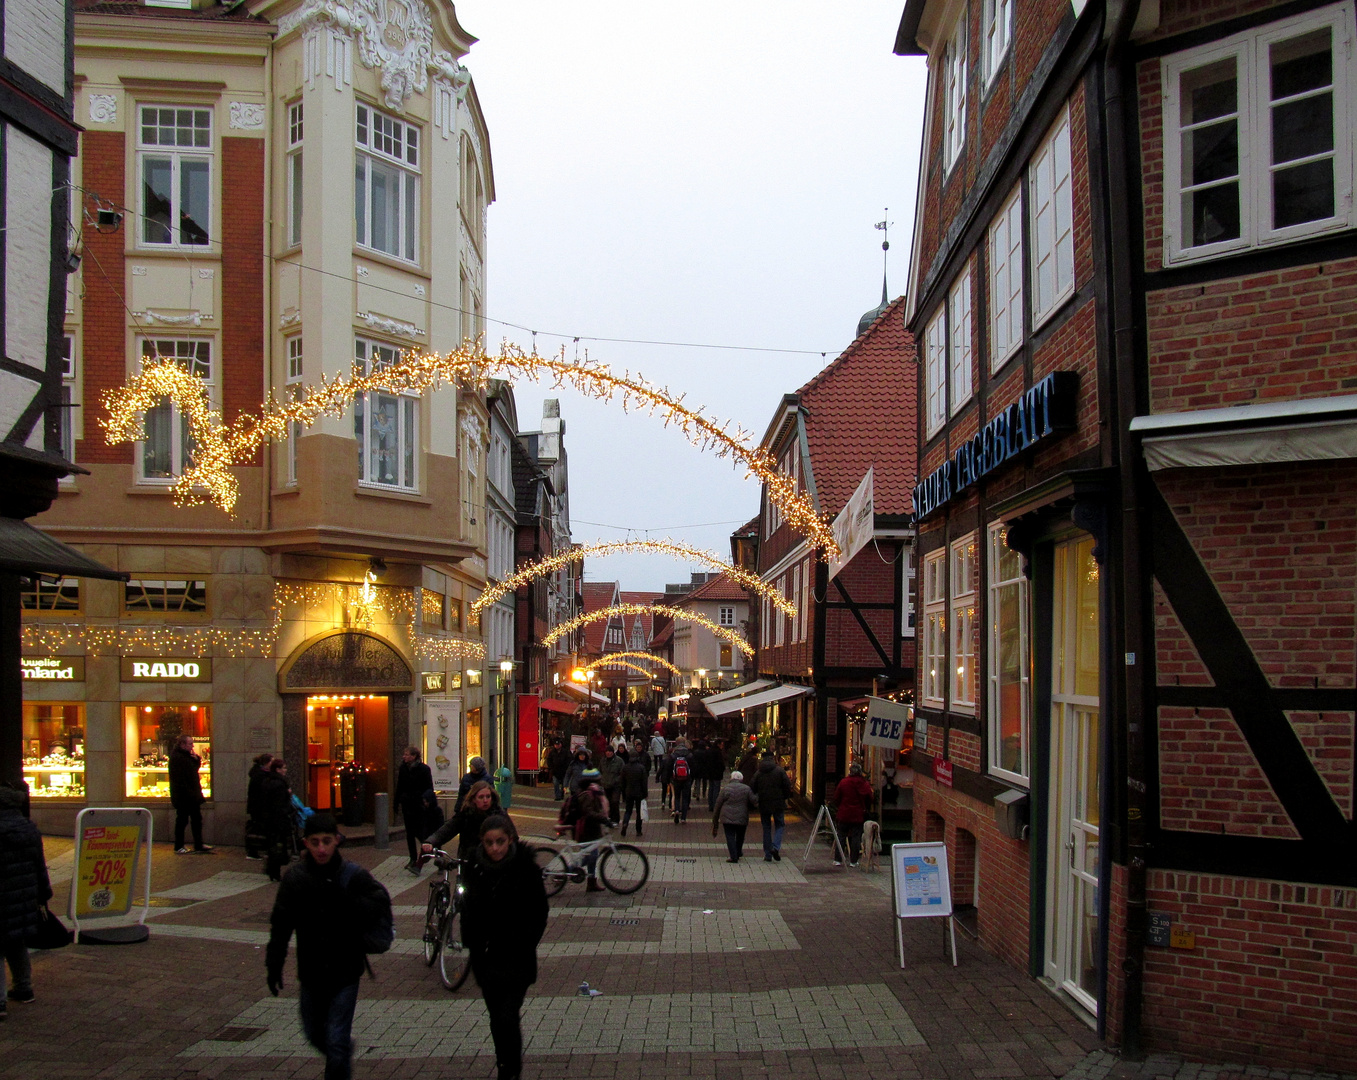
<point x="562" y="629"/>
<point x="628" y="664"/>
<point x="674" y="548"/>
<point x="208" y="478"/>
<point x="629" y="654"/>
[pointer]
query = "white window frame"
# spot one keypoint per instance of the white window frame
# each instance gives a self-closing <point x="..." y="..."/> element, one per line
<point x="962" y="603"/>
<point x="996" y="30"/>
<point x="959" y="341"/>
<point x="367" y="352"/>
<point x="803" y="604"/>
<point x="780" y="621"/>
<point x="1005" y="281"/>
<point x="179" y="154"/>
<point x="726" y="616"/>
<point x="935" y="628"/>
<point x="935" y="373"/>
<point x="387" y="141"/>
<point x="66" y="415"/>
<point x="293" y="390"/>
<point x="294" y="174"/>
<point x="954" y="97"/>
<point x="998" y="546"/>
<point x="1250" y="51"/>
<point x="1050" y="187"/>
<point x="189" y="351"/>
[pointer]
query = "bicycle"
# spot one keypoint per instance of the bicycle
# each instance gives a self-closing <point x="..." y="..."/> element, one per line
<point x="623" y="868"/>
<point x="441" y="941"/>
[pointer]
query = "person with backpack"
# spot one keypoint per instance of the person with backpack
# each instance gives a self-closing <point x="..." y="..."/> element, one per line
<point x="340" y="913"/>
<point x="684" y="767"/>
<point x="504" y="916"/>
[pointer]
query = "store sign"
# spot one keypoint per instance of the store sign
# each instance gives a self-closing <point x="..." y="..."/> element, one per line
<point x="53" y="668"/>
<point x="433" y="682"/>
<point x="1046" y="410"/>
<point x="108" y="861"/>
<point x="887" y="722"/>
<point x="166" y="669"/>
<point x="942" y="772"/>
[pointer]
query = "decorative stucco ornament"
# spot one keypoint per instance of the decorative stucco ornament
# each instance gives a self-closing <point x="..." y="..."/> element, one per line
<point x="396" y="36"/>
<point x="103" y="109"/>
<point x="247" y="115"/>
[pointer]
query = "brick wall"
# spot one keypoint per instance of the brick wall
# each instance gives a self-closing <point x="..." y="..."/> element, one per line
<point x="1273" y="977"/>
<point x="103" y="278"/>
<point x="1073" y="347"/>
<point x="1176" y="660"/>
<point x="242" y="264"/>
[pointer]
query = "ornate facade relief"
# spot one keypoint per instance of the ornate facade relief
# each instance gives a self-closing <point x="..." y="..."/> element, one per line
<point x="387" y="325"/>
<point x="247" y="116"/>
<point x="103" y="108"/>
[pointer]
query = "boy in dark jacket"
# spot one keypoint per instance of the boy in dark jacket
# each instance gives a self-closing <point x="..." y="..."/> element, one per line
<point x="24" y="889"/>
<point x="330" y="905"/>
<point x="414" y="780"/>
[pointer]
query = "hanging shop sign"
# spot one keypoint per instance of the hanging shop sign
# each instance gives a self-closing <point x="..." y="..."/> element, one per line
<point x="1046" y="410"/>
<point x="855" y="524"/>
<point x="887" y="722"/>
<point x="433" y="682"/>
<point x="53" y="668"/>
<point x="166" y="669"/>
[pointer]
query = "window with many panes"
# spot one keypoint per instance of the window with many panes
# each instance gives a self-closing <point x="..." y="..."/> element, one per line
<point x="935" y="627"/>
<point x="165" y="596"/>
<point x="959" y="342"/>
<point x="954" y="96"/>
<point x="294" y="392"/>
<point x="1010" y="660"/>
<point x="935" y="372"/>
<point x="726" y="616"/>
<point x="50" y="594"/>
<point x="386" y="184"/>
<point x="1258" y="145"/>
<point x="174" y="154"/>
<point x="167" y="448"/>
<point x="294" y="174"/>
<point x="66" y="417"/>
<point x="1005" y="281"/>
<point x="961" y="594"/>
<point x="780" y="620"/>
<point x="1051" y="210"/>
<point x="385" y="425"/>
<point x="996" y="26"/>
<point x="431" y="608"/>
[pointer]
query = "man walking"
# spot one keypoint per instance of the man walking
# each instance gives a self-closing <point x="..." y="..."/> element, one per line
<point x="186" y="795"/>
<point x="658" y="748"/>
<point x="557" y="762"/>
<point x="610" y="777"/>
<point x="773" y="789"/>
<point x="634" y="790"/>
<point x="331" y="905"/>
<point x="684" y="767"/>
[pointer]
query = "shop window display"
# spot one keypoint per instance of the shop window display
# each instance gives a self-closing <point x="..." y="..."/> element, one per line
<point x="150" y="732"/>
<point x="54" y="750"/>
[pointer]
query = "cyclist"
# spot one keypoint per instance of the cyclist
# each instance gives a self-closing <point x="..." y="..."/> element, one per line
<point x="503" y="918"/>
<point x="590" y="814"/>
<point x="481" y="803"/>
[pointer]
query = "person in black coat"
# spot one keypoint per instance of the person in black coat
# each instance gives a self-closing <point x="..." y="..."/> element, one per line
<point x="635" y="788"/>
<point x="503" y="918"/>
<point x="280" y="824"/>
<point x="255" y="840"/>
<point x="413" y="781"/>
<point x="475" y="775"/>
<point x="558" y="760"/>
<point x="24" y="889"/>
<point x="186" y="794"/>
<point x="575" y="771"/>
<point x="330" y="905"/>
<point x="482" y="801"/>
<point x="773" y="789"/>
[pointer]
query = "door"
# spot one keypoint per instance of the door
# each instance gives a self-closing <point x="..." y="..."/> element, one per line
<point x="1072" y="881"/>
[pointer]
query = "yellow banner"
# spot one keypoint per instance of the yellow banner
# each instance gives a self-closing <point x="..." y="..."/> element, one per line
<point x="108" y="863"/>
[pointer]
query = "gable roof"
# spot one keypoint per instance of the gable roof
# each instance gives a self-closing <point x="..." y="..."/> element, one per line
<point x="722" y="587"/>
<point x="597" y="596"/>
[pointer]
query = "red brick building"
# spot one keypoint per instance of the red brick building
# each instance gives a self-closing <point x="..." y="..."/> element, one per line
<point x="1133" y="286"/>
<point x="853" y="633"/>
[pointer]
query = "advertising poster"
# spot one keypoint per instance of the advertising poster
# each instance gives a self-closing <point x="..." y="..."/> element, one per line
<point x="922" y="887"/>
<point x="443" y="735"/>
<point x="855" y="524"/>
<point x="106" y="869"/>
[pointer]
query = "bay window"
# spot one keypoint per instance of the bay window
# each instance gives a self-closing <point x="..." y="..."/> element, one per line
<point x="168" y="446"/>
<point x="175" y="159"/>
<point x="386" y="185"/>
<point x="385" y="425"/>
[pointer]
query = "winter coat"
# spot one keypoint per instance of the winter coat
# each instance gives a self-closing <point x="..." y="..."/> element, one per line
<point x="852" y="799"/>
<point x="591" y="813"/>
<point x="657" y="746"/>
<point x="610" y="772"/>
<point x="642" y="757"/>
<point x="771" y="785"/>
<point x="186" y="790"/>
<point x="713" y="765"/>
<point x="275" y="796"/>
<point x="635" y="779"/>
<point x="465" y="824"/>
<point x="558" y="760"/>
<point x="684" y="752"/>
<point x="749" y="763"/>
<point x="328" y="919"/>
<point x="465" y="785"/>
<point x="664" y="771"/>
<point x="24" y="885"/>
<point x="254" y="800"/>
<point x="504" y="915"/>
<point x="734" y="803"/>
<point x="575" y="773"/>
<point x="413" y="779"/>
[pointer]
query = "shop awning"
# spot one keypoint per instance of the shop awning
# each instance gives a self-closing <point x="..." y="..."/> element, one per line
<point x="739" y="691"/>
<point x="585" y="693"/>
<point x="753" y="701"/>
<point x="679" y="697"/>
<point x="557" y="705"/>
<point x="25" y="550"/>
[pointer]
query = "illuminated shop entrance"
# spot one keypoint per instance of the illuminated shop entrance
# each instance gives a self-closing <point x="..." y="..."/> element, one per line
<point x="346" y="735"/>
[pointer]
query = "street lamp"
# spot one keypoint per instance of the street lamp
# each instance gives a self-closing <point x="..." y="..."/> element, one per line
<point x="702" y="675"/>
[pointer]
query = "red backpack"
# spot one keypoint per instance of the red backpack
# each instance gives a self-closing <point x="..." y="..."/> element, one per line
<point x="680" y="768"/>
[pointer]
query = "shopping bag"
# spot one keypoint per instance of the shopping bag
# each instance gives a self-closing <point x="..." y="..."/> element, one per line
<point x="645" y="810"/>
<point x="52" y="932"/>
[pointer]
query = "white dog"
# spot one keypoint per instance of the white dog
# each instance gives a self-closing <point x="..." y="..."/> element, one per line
<point x="871" y="844"/>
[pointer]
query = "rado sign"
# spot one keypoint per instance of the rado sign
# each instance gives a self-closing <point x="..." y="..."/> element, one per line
<point x="166" y="669"/>
<point x="1043" y="411"/>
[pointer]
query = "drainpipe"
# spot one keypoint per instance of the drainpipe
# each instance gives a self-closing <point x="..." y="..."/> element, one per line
<point x="1118" y="70"/>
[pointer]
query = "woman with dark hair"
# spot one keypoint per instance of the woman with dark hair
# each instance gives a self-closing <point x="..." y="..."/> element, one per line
<point x="504" y="916"/>
<point x="414" y="789"/>
<point x="280" y="823"/>
<point x="481" y="803"/>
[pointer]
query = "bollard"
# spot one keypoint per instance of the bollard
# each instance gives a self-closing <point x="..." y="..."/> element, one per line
<point x="381" y="821"/>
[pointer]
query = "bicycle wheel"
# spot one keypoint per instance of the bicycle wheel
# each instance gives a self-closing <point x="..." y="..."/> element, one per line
<point x="555" y="874"/>
<point x="454" y="961"/>
<point x="433" y="919"/>
<point x="624" y="869"/>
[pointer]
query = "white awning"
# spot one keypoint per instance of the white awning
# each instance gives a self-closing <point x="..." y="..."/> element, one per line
<point x="740" y="691"/>
<point x="679" y="697"/>
<point x="753" y="701"/>
<point x="585" y="693"/>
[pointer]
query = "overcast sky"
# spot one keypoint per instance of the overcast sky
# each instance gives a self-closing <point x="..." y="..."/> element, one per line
<point x="703" y="173"/>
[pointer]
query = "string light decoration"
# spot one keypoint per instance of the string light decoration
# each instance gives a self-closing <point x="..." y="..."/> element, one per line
<point x="674" y="548"/>
<point x="208" y="477"/>
<point x="648" y="675"/>
<point x="608" y="658"/>
<point x="367" y="601"/>
<point x="562" y="629"/>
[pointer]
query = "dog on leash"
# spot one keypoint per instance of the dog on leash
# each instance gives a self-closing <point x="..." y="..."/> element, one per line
<point x="871" y="844"/>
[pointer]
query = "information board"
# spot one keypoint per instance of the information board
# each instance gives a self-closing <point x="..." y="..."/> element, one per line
<point x="108" y="858"/>
<point x="443" y="734"/>
<point x="922" y="888"/>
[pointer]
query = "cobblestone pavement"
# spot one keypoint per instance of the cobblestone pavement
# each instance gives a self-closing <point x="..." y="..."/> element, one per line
<point x="713" y="970"/>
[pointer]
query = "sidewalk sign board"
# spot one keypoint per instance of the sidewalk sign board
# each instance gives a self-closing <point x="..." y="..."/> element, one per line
<point x="108" y="854"/>
<point x="921" y="888"/>
<point x="443" y="735"/>
<point x="823" y="821"/>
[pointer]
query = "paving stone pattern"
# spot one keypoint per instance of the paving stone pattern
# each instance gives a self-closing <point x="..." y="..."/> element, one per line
<point x="712" y="970"/>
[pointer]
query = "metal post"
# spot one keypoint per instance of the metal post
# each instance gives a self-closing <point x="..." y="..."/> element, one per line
<point x="381" y="821"/>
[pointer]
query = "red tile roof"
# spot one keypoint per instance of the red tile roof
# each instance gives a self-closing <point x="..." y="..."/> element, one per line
<point x="860" y="413"/>
<point x="597" y="595"/>
<point x="723" y="587"/>
<point x="646" y="621"/>
<point x="664" y="636"/>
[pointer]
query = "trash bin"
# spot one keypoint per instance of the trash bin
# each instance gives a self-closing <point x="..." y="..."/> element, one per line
<point x="353" y="793"/>
<point x="504" y="784"/>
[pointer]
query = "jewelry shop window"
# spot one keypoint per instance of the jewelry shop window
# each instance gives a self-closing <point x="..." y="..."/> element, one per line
<point x="149" y="734"/>
<point x="54" y="750"/>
